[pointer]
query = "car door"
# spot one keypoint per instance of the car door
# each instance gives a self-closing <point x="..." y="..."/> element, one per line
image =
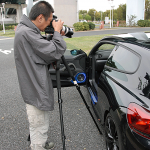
<point x="76" y="60"/>
<point x="99" y="56"/>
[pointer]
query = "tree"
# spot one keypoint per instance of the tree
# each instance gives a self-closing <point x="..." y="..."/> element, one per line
<point x="131" y="21"/>
<point x="97" y="16"/>
<point x="101" y="15"/>
<point x="121" y="12"/>
<point x="124" y="12"/>
<point x="82" y="12"/>
<point x="91" y="13"/>
<point x="106" y="14"/>
<point x="80" y="16"/>
<point x="87" y="17"/>
<point x="115" y="14"/>
<point x="147" y="9"/>
<point x="118" y="14"/>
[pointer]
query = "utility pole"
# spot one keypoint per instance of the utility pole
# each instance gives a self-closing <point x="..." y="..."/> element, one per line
<point x="77" y="11"/>
<point x="94" y="16"/>
<point x="111" y="1"/>
<point x="112" y="14"/>
<point x="29" y="6"/>
<point x="3" y="15"/>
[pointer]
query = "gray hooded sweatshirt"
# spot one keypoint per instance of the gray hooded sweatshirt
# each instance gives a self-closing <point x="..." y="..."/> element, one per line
<point x="32" y="55"/>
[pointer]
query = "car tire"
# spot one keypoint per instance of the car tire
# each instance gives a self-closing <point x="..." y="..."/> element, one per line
<point x="113" y="137"/>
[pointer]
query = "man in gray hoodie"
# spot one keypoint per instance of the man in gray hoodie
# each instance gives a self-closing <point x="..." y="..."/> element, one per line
<point x="32" y="55"/>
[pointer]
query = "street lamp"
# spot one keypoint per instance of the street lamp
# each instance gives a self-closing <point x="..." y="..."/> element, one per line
<point x="112" y="14"/>
<point x="2" y="12"/>
<point x="94" y="15"/>
<point x="111" y="1"/>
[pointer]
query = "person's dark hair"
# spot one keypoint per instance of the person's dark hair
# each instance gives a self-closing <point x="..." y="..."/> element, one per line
<point x="42" y="7"/>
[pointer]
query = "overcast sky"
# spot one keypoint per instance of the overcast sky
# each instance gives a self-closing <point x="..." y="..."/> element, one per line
<point x="99" y="5"/>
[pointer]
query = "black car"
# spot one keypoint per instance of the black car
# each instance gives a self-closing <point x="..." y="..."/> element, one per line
<point x="118" y="67"/>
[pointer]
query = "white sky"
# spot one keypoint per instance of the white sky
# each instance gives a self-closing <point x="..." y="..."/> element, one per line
<point x="99" y="5"/>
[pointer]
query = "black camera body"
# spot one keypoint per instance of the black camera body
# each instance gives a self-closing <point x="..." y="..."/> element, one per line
<point x="50" y="30"/>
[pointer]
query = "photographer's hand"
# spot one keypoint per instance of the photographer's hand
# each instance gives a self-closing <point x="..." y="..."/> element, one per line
<point x="62" y="33"/>
<point x="57" y="25"/>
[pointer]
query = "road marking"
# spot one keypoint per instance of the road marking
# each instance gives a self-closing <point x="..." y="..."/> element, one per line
<point x="6" y="51"/>
<point x="6" y="38"/>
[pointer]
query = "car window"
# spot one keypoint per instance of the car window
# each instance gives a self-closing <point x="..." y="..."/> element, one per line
<point x="106" y="47"/>
<point x="123" y="60"/>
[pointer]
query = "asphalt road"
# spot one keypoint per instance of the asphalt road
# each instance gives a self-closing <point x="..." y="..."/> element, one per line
<point x="80" y="130"/>
<point x="115" y="30"/>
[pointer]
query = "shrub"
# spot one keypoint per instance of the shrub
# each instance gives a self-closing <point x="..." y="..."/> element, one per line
<point x="1" y="27"/>
<point x="8" y="26"/>
<point x="122" y="23"/>
<point x="86" y="26"/>
<point x="91" y="25"/>
<point x="114" y="22"/>
<point x="131" y="20"/>
<point x="78" y="26"/>
<point x="143" y="23"/>
<point x="147" y="24"/>
<point x="81" y="26"/>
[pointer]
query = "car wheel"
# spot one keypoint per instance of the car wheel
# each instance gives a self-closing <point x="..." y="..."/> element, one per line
<point x="112" y="135"/>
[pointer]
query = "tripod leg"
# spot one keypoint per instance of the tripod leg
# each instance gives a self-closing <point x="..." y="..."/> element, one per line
<point x="78" y="88"/>
<point x="28" y="139"/>
<point x="60" y="103"/>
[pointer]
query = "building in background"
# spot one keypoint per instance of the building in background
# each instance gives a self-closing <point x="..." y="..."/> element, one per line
<point x="12" y="10"/>
<point x="135" y="8"/>
<point x="66" y="10"/>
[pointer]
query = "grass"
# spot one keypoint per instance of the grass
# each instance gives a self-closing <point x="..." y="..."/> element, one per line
<point x="8" y="33"/>
<point x="85" y="43"/>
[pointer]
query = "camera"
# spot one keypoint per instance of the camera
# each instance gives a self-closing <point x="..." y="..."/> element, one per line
<point x="50" y="30"/>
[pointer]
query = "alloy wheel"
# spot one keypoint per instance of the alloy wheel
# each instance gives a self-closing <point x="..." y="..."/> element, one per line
<point x="111" y="135"/>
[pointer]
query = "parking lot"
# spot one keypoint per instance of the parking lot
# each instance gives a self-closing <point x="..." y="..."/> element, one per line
<point x="81" y="132"/>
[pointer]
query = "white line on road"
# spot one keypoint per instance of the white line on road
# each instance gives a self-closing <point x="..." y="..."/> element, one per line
<point x="6" y="51"/>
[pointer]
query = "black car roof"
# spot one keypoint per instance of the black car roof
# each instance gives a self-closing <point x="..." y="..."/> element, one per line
<point x="141" y="39"/>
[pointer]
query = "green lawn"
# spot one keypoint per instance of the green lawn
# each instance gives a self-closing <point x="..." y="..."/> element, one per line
<point x="8" y="33"/>
<point x="85" y="43"/>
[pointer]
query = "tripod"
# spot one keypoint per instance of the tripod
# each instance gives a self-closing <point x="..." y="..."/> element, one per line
<point x="60" y="100"/>
<point x="60" y="103"/>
